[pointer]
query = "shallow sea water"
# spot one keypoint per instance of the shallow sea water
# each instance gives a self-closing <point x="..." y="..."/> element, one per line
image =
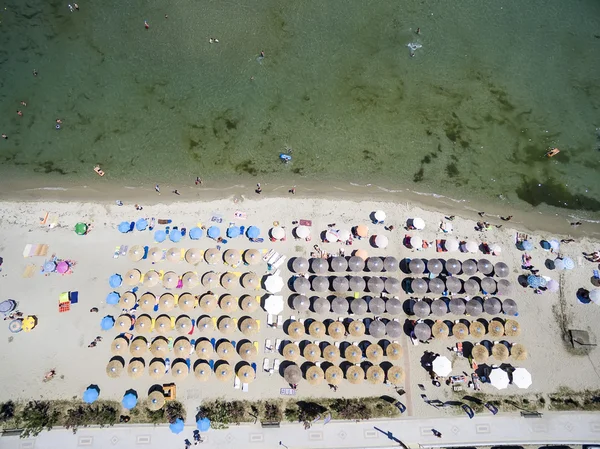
<point x="470" y="116"/>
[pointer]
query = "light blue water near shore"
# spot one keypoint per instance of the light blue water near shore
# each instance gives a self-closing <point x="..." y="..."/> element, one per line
<point x="471" y="115"/>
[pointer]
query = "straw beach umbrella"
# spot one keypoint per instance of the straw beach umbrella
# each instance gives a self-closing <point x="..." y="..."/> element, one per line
<point x="135" y="369"/>
<point x="296" y="330"/>
<point x="331" y="353"/>
<point x="336" y="330"/>
<point x="208" y="303"/>
<point x="182" y="347"/>
<point x="394" y="351"/>
<point x="480" y="353"/>
<point x="190" y="280"/>
<point x="226" y="325"/>
<point x="225" y="350"/>
<point x="460" y="331"/>
<point x="249" y="326"/>
<point x="166" y="303"/>
<point x="224" y="372"/>
<point x="457" y="306"/>
<point x="159" y="347"/>
<point x="204" y="349"/>
<point x="162" y="325"/>
<point x="119" y="346"/>
<point x="202" y="371"/>
<point x="210" y="279"/>
<point x="205" y="324"/>
<point x="317" y="329"/>
<point x="170" y="280"/>
<point x="477" y="329"/>
<point x="292" y="374"/>
<point x="353" y="354"/>
<point x="174" y="255"/>
<point x="132" y="277"/>
<point x="356" y="328"/>
<point x="151" y="279"/>
<point x="155" y="254"/>
<point x="114" y="368"/>
<point x="246" y="374"/>
<point x="147" y="302"/>
<point x="136" y="253"/>
<point x="374" y="353"/>
<point x="179" y="370"/>
<point x="312" y="352"/>
<point x="500" y="352"/>
<point x="334" y="375"/>
<point x="355" y="375"/>
<point x="395" y="375"/>
<point x="232" y="257"/>
<point x="186" y="302"/>
<point x="251" y="280"/>
<point x="123" y="323"/>
<point x="495" y="328"/>
<point x="291" y="352"/>
<point x="156" y="400"/>
<point x="439" y="330"/>
<point x="518" y="352"/>
<point x="157" y="369"/>
<point x="212" y="256"/>
<point x="193" y="256"/>
<point x="138" y="347"/>
<point x="375" y="374"/>
<point x="228" y="280"/>
<point x="228" y="303"/>
<point x="512" y="328"/>
<point x="252" y="257"/>
<point x="249" y="304"/>
<point x="183" y="325"/>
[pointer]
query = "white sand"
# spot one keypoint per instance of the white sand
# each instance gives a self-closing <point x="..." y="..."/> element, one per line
<point x="60" y="340"/>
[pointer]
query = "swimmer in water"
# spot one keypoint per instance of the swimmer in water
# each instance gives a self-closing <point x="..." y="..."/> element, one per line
<point x="4" y="136"/>
<point x="20" y="113"/>
<point x="23" y="103"/>
<point x="146" y="24"/>
<point x="262" y="54"/>
<point x="57" y="126"/>
<point x="59" y="121"/>
<point x="35" y="72"/>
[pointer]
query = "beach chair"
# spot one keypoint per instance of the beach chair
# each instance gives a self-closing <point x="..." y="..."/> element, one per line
<point x="245" y="387"/>
<point x="277" y="344"/>
<point x="268" y="255"/>
<point x="270" y="320"/>
<point x="279" y="321"/>
<point x="276" y="364"/>
<point x="237" y="383"/>
<point x="292" y="317"/>
<point x="266" y="363"/>
<point x="268" y="346"/>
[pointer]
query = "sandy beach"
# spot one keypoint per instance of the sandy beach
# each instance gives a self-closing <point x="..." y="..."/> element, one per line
<point x="60" y="339"/>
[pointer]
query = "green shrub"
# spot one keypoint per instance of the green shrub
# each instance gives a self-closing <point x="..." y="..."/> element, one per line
<point x="351" y="408"/>
<point x="174" y="410"/>
<point x="83" y="415"/>
<point x="37" y="416"/>
<point x="272" y="411"/>
<point x="7" y="411"/>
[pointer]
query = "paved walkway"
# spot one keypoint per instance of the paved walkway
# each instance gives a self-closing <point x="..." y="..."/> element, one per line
<point x="573" y="428"/>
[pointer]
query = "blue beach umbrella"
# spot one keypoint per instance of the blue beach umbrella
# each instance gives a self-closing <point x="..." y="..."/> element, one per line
<point x="568" y="262"/>
<point x="253" y="232"/>
<point x="543" y="281"/>
<point x="107" y="323"/>
<point x="141" y="224"/>
<point x="175" y="235"/>
<point x="91" y="394"/>
<point x="160" y="236"/>
<point x="533" y="281"/>
<point x="177" y="426"/>
<point x="49" y="266"/>
<point x="113" y="298"/>
<point x="115" y="280"/>
<point x="527" y="245"/>
<point x="124" y="227"/>
<point x="203" y="424"/>
<point x="233" y="232"/>
<point x="545" y="245"/>
<point x="129" y="401"/>
<point x="195" y="233"/>
<point x="213" y="232"/>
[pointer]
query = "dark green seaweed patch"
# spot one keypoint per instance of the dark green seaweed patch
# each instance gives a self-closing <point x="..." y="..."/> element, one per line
<point x="555" y="194"/>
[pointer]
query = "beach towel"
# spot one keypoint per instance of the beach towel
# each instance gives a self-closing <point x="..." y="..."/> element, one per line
<point x="164" y="221"/>
<point x="240" y="215"/>
<point x="74" y="297"/>
<point x="34" y="250"/>
<point x="306" y="223"/>
<point x="29" y="270"/>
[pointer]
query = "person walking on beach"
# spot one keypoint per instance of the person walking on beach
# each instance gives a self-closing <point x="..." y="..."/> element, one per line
<point x="198" y="180"/>
<point x="506" y="218"/>
<point x="176" y="192"/>
<point x="258" y="188"/>
<point x="157" y="188"/>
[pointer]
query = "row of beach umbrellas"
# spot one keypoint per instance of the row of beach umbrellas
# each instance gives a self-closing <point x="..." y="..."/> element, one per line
<point x="353" y="353"/>
<point x="499" y="351"/>
<point x="341" y="284"/>
<point x="211" y="256"/>
<point x="454" y="266"/>
<point x="340" y="264"/>
<point x="213" y="232"/>
<point x="334" y="375"/>
<point x="189" y="279"/>
<point x="338" y="330"/>
<point x="458" y="306"/>
<point x="461" y="330"/>
<point x="471" y="286"/>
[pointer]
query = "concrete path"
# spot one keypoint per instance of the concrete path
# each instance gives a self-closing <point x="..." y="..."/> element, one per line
<point x="567" y="428"/>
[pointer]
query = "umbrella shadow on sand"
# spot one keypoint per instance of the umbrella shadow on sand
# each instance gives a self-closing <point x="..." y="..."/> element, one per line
<point x="154" y="388"/>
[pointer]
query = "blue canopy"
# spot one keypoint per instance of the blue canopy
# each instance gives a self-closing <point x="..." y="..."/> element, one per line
<point x="195" y="233"/>
<point x="141" y="224"/>
<point x="177" y="426"/>
<point x="545" y="244"/>
<point x="129" y="401"/>
<point x="49" y="266"/>
<point x="91" y="395"/>
<point x="113" y="298"/>
<point x="175" y="235"/>
<point x="527" y="245"/>
<point x="213" y="232"/>
<point x="203" y="424"/>
<point x="533" y="281"/>
<point x="543" y="281"/>
<point x="253" y="232"/>
<point x="160" y="236"/>
<point x="124" y="227"/>
<point x="115" y="280"/>
<point x="107" y="323"/>
<point x="233" y="232"/>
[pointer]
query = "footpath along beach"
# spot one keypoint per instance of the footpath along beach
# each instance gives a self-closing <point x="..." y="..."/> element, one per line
<point x="233" y="289"/>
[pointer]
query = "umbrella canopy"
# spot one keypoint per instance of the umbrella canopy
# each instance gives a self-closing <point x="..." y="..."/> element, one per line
<point x="204" y="349"/>
<point x="291" y="352"/>
<point x="274" y="304"/>
<point x="568" y="263"/>
<point x="375" y="264"/>
<point x="552" y="285"/>
<point x="151" y="279"/>
<point x="211" y="256"/>
<point x="375" y="285"/>
<point x="205" y="324"/>
<point x="416" y="242"/>
<point x="492" y="306"/>
<point x="358" y="306"/>
<point x="252" y="257"/>
<point x="319" y="265"/>
<point x="208" y="303"/>
<point x="123" y="323"/>
<point x="394" y="351"/>
<point x="436" y="286"/>
<point x="320" y="284"/>
<point x="225" y="350"/>
<point x="421" y="309"/>
<point x="501" y="269"/>
<point x="248" y="351"/>
<point x="338" y="264"/>
<point x="135" y="369"/>
<point x="356" y="328"/>
<point x="156" y="400"/>
<point x="129" y="401"/>
<point x="356" y="263"/>
<point x="202" y="371"/>
<point x="357" y="284"/>
<point x="312" y="352"/>
<point x="331" y="353"/>
<point x="232" y="257"/>
<point x="471" y="246"/>
<point x="393" y="329"/>
<point x="119" y="346"/>
<point x="183" y="324"/>
<point x="442" y="366"/>
<point x="488" y="285"/>
<point x="213" y="232"/>
<point x="485" y="266"/>
<point x="112" y="298"/>
<point x="224" y="372"/>
<point x="480" y="353"/>
<point x="300" y="284"/>
<point x="353" y="354"/>
<point x="422" y="331"/>
<point x="439" y="330"/>
<point x="253" y="232"/>
<point x="132" y="277"/>
<point x="377" y="306"/>
<point x="416" y="266"/>
<point x="170" y="280"/>
<point x="196" y="233"/>
<point x="375" y="374"/>
<point x="504" y="287"/>
<point x="419" y="286"/>
<point x="317" y="329"/>
<point x="177" y="426"/>
<point x="362" y="254"/>
<point x="393" y="306"/>
<point x="127" y="300"/>
<point x="228" y="303"/>
<point x="496" y="328"/>
<point x="471" y="286"/>
<point x="173" y="254"/>
<point x="518" y="352"/>
<point x="302" y="231"/>
<point x="499" y="378"/>
<point x="460" y="331"/>
<point x="321" y="306"/>
<point x="362" y="230"/>
<point x="355" y="375"/>
<point x="233" y="232"/>
<point x="182" y="347"/>
<point x="477" y="329"/>
<point x="453" y="285"/>
<point x="457" y="306"/>
<point x="274" y="283"/>
<point x="175" y="235"/>
<point x="125" y="227"/>
<point x="249" y="326"/>
<point x="250" y="280"/>
<point x="334" y="375"/>
<point x="435" y="266"/>
<point x="157" y="369"/>
<point x="339" y="305"/>
<point x="143" y="324"/>
<point x="521" y="378"/>
<point x="81" y="228"/>
<point x="469" y="267"/>
<point x="509" y="307"/>
<point x="452" y="245"/>
<point x="300" y="265"/>
<point x="500" y="352"/>
<point x="278" y="233"/>
<point x="374" y="353"/>
<point x="395" y="375"/>
<point x="512" y="328"/>
<point x="162" y="324"/>
<point x="246" y="374"/>
<point x="390" y="264"/>
<point x="296" y="329"/>
<point x="379" y="215"/>
<point x="159" y="347"/>
<point x="186" y="302"/>
<point x="453" y="266"/>
<point x="166" y="303"/>
<point x="91" y="394"/>
<point x="136" y="253"/>
<point x="249" y="304"/>
<point x="115" y="281"/>
<point x="336" y="330"/>
<point x="160" y="236"/>
<point x="190" y="280"/>
<point x="292" y="374"/>
<point x="114" y="368"/>
<point x="439" y="307"/>
<point x="533" y="281"/>
<point x="377" y="329"/>
<point x="228" y="280"/>
<point x="416" y="223"/>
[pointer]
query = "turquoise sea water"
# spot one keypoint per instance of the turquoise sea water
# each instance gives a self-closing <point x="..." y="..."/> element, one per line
<point x="471" y="115"/>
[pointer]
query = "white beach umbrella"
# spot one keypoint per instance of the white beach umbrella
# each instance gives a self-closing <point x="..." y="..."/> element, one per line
<point x="331" y="236"/>
<point x="595" y="296"/>
<point x="416" y="242"/>
<point x="452" y="245"/>
<point x="418" y="223"/>
<point x="472" y="246"/>
<point x="381" y="241"/>
<point x="379" y="215"/>
<point x="274" y="284"/>
<point x="278" y="232"/>
<point x="302" y="231"/>
<point x="495" y="249"/>
<point x="499" y="378"/>
<point x="442" y="366"/>
<point x="274" y="305"/>
<point x="521" y="378"/>
<point x="344" y="235"/>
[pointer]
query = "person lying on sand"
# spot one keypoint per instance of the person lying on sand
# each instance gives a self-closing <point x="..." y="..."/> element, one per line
<point x="50" y="375"/>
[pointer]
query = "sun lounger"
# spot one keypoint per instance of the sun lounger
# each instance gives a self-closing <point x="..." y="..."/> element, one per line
<point x="274" y="257"/>
<point x="35" y="250"/>
<point x="245" y="387"/>
<point x="237" y="382"/>
<point x="270" y="320"/>
<point x="277" y="344"/>
<point x="276" y="364"/>
<point x="293" y="318"/>
<point x="266" y="365"/>
<point x="279" y="321"/>
<point x="268" y="346"/>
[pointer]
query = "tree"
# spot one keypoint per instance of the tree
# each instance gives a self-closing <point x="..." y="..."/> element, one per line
<point x="7" y="411"/>
<point x="37" y="416"/>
